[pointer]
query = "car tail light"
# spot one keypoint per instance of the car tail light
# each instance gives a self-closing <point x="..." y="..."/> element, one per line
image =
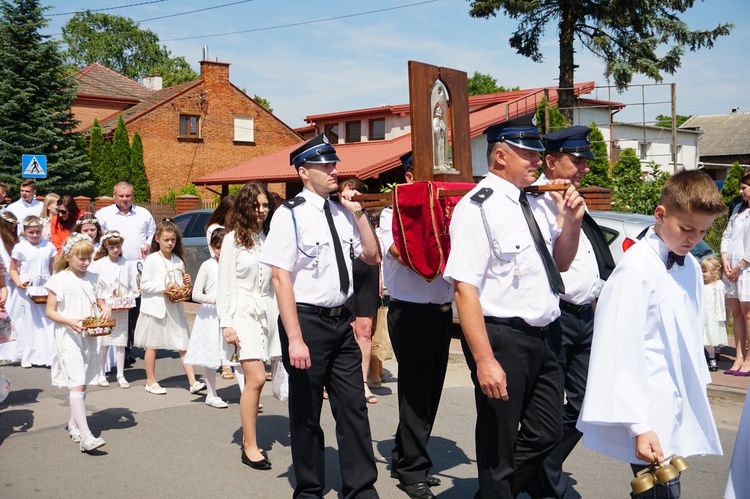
<point x="626" y="244"/>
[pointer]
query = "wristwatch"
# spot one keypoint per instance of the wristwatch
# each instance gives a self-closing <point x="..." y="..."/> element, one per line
<point x="359" y="212"/>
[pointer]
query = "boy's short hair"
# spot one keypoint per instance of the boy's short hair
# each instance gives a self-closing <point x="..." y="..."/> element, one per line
<point x="692" y="191"/>
<point x="28" y="182"/>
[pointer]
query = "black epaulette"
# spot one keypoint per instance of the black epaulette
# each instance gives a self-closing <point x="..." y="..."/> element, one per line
<point x="294" y="202"/>
<point x="482" y="195"/>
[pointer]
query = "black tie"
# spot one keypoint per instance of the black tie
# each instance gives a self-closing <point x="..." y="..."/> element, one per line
<point x="673" y="258"/>
<point x="601" y="249"/>
<point x="553" y="274"/>
<point x="340" y="263"/>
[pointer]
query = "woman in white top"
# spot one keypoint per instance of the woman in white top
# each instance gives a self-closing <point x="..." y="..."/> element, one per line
<point x="247" y="309"/>
<point x="14" y="307"/>
<point x="735" y="258"/>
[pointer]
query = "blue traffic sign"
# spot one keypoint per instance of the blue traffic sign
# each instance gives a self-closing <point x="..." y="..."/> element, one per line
<point x="34" y="166"/>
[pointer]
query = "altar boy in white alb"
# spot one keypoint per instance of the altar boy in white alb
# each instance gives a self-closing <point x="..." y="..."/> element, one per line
<point x="646" y="388"/>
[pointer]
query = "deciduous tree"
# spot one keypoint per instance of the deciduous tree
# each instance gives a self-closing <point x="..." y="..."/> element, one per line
<point x="483" y="84"/>
<point x="628" y="35"/>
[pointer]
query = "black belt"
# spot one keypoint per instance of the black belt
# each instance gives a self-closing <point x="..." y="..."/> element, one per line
<point x="321" y="311"/>
<point x="438" y="307"/>
<point x="574" y="309"/>
<point x="515" y="322"/>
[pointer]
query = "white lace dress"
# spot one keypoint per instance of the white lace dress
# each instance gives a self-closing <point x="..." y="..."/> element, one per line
<point x="716" y="314"/>
<point x="205" y="347"/>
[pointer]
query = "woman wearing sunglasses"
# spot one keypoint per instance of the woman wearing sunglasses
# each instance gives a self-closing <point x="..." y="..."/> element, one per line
<point x="64" y="222"/>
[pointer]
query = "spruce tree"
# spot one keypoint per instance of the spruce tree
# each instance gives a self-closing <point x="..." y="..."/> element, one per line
<point x="107" y="182"/>
<point x="35" y="102"/>
<point x="119" y="160"/>
<point x="96" y="151"/>
<point x="599" y="166"/>
<point x="138" y="178"/>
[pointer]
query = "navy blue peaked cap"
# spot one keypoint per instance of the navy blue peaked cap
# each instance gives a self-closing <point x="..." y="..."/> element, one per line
<point x="572" y="140"/>
<point x="407" y="161"/>
<point x="317" y="150"/>
<point x="520" y="132"/>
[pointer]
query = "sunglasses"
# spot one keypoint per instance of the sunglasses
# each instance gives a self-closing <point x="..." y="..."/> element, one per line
<point x="62" y="212"/>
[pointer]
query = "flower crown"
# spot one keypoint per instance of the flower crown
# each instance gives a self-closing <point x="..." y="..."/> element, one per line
<point x="32" y="222"/>
<point x="6" y="215"/>
<point x="73" y="240"/>
<point x="87" y="220"/>
<point x="110" y="235"/>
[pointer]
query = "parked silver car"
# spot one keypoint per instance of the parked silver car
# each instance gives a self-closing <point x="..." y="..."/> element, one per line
<point x="623" y="230"/>
<point x="192" y="225"/>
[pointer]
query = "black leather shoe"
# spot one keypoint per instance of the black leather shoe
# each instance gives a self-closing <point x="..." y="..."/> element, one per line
<point x="432" y="481"/>
<point x="419" y="490"/>
<point x="263" y="464"/>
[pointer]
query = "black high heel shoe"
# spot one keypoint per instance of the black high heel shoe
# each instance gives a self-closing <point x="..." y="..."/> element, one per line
<point x="263" y="464"/>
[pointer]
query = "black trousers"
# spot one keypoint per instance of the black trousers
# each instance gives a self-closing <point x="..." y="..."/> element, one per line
<point x="421" y="336"/>
<point x="570" y="339"/>
<point x="514" y="437"/>
<point x="336" y="363"/>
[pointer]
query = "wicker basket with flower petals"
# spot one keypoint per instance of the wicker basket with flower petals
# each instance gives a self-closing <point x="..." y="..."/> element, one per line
<point x="175" y="288"/>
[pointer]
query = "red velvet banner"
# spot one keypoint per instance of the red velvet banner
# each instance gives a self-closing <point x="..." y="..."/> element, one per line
<point x="421" y="220"/>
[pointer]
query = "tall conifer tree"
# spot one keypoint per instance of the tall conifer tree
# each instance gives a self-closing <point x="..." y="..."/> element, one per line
<point x="138" y="177"/>
<point x="35" y="101"/>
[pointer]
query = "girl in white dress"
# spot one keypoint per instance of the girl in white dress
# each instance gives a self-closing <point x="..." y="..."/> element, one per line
<point x="161" y="323"/>
<point x="8" y="238"/>
<point x="89" y="225"/>
<point x="71" y="298"/>
<point x="247" y="309"/>
<point x="716" y="313"/>
<point x="735" y="257"/>
<point x="205" y="347"/>
<point x="116" y="285"/>
<point x="30" y="267"/>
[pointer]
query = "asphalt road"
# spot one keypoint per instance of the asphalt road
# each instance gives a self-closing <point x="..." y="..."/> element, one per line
<point x="174" y="445"/>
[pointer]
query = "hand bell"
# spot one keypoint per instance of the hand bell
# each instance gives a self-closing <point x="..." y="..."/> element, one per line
<point x="643" y="481"/>
<point x="234" y="358"/>
<point x="679" y="462"/>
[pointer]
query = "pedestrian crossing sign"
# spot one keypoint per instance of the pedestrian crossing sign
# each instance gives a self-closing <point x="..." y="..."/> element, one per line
<point x="34" y="166"/>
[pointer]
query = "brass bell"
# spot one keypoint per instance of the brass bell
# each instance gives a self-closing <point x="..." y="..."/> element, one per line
<point x="665" y="472"/>
<point x="679" y="462"/>
<point x="643" y="481"/>
<point x="234" y="358"/>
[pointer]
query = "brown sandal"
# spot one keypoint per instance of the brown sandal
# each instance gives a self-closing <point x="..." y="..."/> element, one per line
<point x="226" y="372"/>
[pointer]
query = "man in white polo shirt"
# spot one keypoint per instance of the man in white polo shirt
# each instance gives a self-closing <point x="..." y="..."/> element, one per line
<point x="28" y="205"/>
<point x="137" y="227"/>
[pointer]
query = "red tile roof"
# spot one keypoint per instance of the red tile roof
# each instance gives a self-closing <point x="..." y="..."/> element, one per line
<point x="97" y="81"/>
<point x="368" y="159"/>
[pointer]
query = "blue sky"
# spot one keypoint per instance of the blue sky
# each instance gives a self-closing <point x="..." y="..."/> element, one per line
<point x="357" y="55"/>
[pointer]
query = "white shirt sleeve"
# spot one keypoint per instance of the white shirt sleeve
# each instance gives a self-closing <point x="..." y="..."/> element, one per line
<point x="199" y="285"/>
<point x="280" y="249"/>
<point x="226" y="292"/>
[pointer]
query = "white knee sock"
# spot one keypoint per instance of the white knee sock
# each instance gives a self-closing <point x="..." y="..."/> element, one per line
<point x="78" y="412"/>
<point x="711" y="351"/>
<point x="210" y="375"/>
<point x="103" y="351"/>
<point x="120" y="360"/>
<point x="240" y="375"/>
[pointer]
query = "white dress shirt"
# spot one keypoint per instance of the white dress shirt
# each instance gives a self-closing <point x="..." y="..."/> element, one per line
<point x="137" y="227"/>
<point x="310" y="257"/>
<point x="582" y="281"/>
<point x="509" y="275"/>
<point x="21" y="209"/>
<point x="402" y="282"/>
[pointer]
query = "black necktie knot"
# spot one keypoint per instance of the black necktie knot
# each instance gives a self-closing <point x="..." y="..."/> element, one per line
<point x="673" y="258"/>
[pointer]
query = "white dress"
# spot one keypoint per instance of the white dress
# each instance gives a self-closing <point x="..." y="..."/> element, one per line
<point x="738" y="483"/>
<point x="716" y="314"/>
<point x="246" y="302"/>
<point x="736" y="243"/>
<point x="205" y="347"/>
<point x="115" y="277"/>
<point x="161" y="323"/>
<point x="35" y="331"/>
<point x="76" y="361"/>
<point x="14" y="307"/>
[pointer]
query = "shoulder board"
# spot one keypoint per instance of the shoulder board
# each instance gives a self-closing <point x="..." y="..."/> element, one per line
<point x="294" y="202"/>
<point x="481" y="195"/>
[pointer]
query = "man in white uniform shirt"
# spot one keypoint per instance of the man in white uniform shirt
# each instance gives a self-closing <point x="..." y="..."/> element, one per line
<point x="311" y="245"/>
<point x="420" y="319"/>
<point x="28" y="205"/>
<point x="137" y="227"/>
<point x="566" y="155"/>
<point x="507" y="289"/>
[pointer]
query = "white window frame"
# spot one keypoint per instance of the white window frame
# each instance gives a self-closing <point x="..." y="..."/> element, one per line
<point x="244" y="129"/>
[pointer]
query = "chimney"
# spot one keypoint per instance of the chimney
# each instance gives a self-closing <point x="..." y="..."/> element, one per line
<point x="205" y="52"/>
<point x="215" y="72"/>
<point x="154" y="82"/>
<point x="735" y="110"/>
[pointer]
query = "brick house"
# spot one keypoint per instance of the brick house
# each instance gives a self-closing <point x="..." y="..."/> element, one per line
<point x="188" y="130"/>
